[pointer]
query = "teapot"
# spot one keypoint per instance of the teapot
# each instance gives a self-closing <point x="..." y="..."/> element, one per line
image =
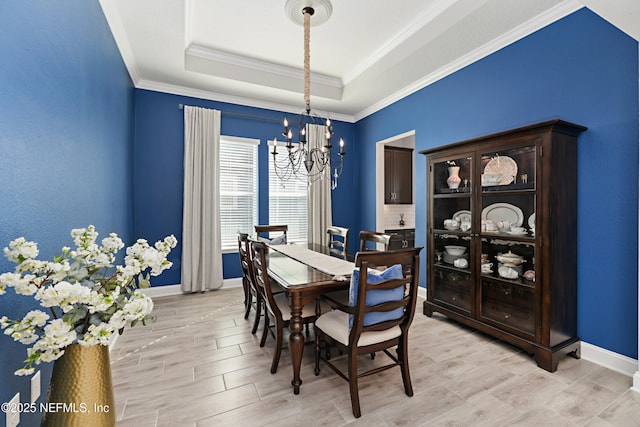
<point x="504" y="225"/>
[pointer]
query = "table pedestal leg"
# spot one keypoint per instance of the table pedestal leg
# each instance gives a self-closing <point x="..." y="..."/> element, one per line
<point x="296" y="340"/>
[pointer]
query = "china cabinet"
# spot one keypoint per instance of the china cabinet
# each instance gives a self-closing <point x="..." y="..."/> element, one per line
<point x="398" y="175"/>
<point x="502" y="245"/>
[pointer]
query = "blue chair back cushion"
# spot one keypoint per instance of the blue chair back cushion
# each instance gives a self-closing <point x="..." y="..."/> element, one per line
<point x="377" y="297"/>
<point x="279" y="240"/>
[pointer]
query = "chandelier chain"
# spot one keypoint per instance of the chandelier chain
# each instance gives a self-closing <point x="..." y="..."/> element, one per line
<point x="307" y="58"/>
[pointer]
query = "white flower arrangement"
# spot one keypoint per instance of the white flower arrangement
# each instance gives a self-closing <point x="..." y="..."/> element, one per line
<point x="88" y="299"/>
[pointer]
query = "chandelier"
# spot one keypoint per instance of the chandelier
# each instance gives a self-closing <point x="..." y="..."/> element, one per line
<point x="308" y="140"/>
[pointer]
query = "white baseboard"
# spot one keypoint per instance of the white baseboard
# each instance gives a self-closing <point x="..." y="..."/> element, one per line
<point x="172" y="290"/>
<point x="636" y="382"/>
<point x="236" y="282"/>
<point x="614" y="361"/>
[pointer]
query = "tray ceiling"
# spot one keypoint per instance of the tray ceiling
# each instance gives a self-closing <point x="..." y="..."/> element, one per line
<point x="367" y="55"/>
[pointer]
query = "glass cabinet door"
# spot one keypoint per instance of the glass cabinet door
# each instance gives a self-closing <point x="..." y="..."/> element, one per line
<point x="452" y="227"/>
<point x="507" y="230"/>
<point x="453" y="175"/>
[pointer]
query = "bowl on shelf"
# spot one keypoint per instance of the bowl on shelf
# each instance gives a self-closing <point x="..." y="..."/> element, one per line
<point x="451" y="224"/>
<point x="455" y="250"/>
<point x="507" y="272"/>
<point x="490" y="179"/>
<point x="530" y="275"/>
<point x="450" y="259"/>
<point x="510" y="259"/>
<point x="461" y="263"/>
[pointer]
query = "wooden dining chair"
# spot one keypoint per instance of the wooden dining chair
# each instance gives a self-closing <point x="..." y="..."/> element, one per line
<point x="252" y="295"/>
<point x="277" y="305"/>
<point x="380" y="311"/>
<point x="338" y="240"/>
<point x="373" y="237"/>
<point x="264" y="232"/>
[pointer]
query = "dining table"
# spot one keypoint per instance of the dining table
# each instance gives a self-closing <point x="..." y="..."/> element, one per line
<point x="305" y="272"/>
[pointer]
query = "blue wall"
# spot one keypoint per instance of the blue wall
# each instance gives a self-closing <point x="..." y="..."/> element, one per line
<point x="580" y="69"/>
<point x="159" y="171"/>
<point x="68" y="159"/>
<point x="66" y="129"/>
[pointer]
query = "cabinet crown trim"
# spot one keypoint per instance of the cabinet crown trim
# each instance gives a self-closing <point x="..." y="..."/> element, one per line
<point x="556" y="125"/>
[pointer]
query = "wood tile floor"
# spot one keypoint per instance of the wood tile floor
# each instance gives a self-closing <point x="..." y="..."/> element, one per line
<point x="199" y="365"/>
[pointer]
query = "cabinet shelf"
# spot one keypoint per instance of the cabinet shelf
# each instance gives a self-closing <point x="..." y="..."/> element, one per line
<point x="462" y="190"/>
<point x="507" y="188"/>
<point x="538" y="316"/>
<point x="508" y="192"/>
<point x="520" y="281"/>
<point x="449" y="267"/>
<point x="508" y="237"/>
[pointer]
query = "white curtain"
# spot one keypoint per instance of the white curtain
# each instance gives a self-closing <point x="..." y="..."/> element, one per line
<point x="319" y="197"/>
<point x="201" y="254"/>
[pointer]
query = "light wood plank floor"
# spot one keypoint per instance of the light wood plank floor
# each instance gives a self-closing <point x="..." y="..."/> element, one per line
<point x="199" y="365"/>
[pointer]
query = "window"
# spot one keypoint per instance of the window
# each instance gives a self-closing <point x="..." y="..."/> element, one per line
<point x="288" y="202"/>
<point x="238" y="188"/>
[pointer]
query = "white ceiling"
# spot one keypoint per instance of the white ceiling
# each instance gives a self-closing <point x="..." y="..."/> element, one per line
<point x="369" y="53"/>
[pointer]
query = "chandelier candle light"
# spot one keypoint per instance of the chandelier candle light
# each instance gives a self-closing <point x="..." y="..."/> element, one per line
<point x="316" y="160"/>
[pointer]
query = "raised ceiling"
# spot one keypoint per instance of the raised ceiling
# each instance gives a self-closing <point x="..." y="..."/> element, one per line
<point x="369" y="53"/>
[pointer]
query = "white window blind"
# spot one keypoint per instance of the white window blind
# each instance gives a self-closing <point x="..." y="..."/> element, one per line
<point x="238" y="188"/>
<point x="288" y="201"/>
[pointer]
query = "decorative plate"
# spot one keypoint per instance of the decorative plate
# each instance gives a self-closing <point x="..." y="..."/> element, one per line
<point x="462" y="216"/>
<point x="504" y="166"/>
<point x="532" y="221"/>
<point x="503" y="212"/>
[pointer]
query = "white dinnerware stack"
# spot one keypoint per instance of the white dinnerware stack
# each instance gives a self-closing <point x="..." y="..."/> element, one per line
<point x="456" y="255"/>
<point x="510" y="265"/>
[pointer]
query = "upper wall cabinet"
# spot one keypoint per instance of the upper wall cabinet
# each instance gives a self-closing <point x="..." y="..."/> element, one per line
<point x="398" y="176"/>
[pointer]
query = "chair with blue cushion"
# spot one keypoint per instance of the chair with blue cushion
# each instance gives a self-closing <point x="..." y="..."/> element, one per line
<point x="380" y="311"/>
<point x="264" y="233"/>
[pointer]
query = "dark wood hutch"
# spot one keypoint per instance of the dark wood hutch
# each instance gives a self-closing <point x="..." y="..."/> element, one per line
<point x="523" y="209"/>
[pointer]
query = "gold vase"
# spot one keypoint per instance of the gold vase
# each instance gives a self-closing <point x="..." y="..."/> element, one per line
<point x="81" y="392"/>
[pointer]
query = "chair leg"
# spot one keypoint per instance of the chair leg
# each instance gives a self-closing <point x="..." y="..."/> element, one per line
<point x="316" y="348"/>
<point x="276" y="355"/>
<point x="247" y="299"/>
<point x="265" y="330"/>
<point x="353" y="384"/>
<point x="259" y="304"/>
<point x="404" y="367"/>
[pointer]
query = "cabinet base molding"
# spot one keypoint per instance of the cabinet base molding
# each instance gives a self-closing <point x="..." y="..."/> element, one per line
<point x="545" y="358"/>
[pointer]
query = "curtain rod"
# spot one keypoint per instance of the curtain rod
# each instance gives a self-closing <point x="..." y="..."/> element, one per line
<point x="246" y="116"/>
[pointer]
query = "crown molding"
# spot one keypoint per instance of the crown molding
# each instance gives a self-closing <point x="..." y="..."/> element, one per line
<point x="243" y="68"/>
<point x="112" y="15"/>
<point x="233" y="99"/>
<point x="546" y="18"/>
